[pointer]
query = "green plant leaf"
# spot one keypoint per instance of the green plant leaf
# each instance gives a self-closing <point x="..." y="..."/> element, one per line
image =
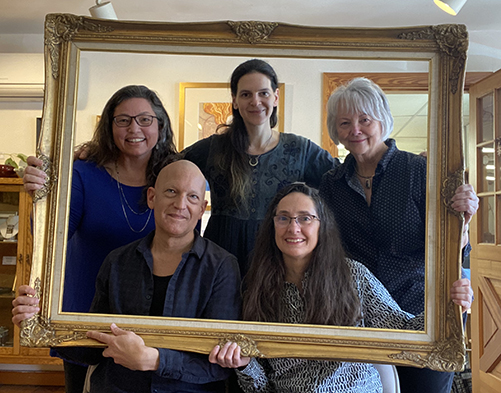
<point x="23" y="157"/>
<point x="11" y="162"/>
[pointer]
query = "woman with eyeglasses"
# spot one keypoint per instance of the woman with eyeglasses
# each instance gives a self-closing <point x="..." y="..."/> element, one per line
<point x="378" y="196"/>
<point x="299" y="274"/>
<point x="107" y="208"/>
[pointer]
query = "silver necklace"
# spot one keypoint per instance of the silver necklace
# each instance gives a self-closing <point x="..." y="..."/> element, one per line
<point x="121" y="194"/>
<point x="254" y="160"/>
<point x="368" y="179"/>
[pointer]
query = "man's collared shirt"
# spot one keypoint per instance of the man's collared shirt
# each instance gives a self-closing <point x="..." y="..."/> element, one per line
<point x="206" y="284"/>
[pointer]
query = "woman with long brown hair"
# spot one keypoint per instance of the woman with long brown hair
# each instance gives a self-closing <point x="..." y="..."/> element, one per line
<point x="299" y="274"/>
<point x="248" y="161"/>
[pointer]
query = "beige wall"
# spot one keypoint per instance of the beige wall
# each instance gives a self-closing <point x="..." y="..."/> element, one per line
<point x="20" y="73"/>
<point x="101" y="74"/>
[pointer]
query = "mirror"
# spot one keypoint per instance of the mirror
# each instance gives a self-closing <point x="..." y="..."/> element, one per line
<point x="83" y="56"/>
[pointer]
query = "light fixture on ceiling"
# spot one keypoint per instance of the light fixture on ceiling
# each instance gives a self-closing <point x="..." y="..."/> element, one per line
<point x="450" y="6"/>
<point x="103" y="10"/>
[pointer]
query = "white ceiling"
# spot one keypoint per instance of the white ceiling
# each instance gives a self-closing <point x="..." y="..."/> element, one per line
<point x="482" y="17"/>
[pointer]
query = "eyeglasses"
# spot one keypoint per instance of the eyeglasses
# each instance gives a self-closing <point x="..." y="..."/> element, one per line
<point x="141" y="120"/>
<point x="302" y="221"/>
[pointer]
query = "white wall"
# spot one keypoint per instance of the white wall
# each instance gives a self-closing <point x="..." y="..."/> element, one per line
<point x="21" y="62"/>
<point x="18" y="125"/>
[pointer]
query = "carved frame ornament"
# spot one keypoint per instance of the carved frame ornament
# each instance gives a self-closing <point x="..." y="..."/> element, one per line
<point x="440" y="346"/>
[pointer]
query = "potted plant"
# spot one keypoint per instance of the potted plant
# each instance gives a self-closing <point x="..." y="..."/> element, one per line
<point x="14" y="163"/>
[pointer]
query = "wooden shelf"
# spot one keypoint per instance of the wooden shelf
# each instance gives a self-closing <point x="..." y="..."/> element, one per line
<point x="21" y="249"/>
<point x="9" y="295"/>
<point x="11" y="180"/>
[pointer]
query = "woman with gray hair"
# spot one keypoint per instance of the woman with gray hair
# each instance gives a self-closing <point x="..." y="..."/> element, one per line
<point x="378" y="196"/>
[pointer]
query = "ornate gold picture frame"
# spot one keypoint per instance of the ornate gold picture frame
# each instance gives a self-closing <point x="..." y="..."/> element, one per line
<point x="442" y="49"/>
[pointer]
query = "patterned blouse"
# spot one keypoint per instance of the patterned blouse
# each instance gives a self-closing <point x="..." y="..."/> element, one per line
<point x="379" y="310"/>
<point x="234" y="228"/>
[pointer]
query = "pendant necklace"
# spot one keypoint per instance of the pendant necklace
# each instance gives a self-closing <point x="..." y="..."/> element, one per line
<point x="254" y="160"/>
<point x="121" y="194"/>
<point x="368" y="179"/>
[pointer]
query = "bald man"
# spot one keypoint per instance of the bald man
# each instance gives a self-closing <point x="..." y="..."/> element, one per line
<point x="173" y="272"/>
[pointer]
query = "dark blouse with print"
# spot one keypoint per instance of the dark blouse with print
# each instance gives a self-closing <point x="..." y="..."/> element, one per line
<point x="389" y="235"/>
<point x="234" y="228"/>
<point x="378" y="309"/>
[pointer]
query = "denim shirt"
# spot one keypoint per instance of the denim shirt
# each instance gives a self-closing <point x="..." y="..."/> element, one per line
<point x="206" y="284"/>
<point x="389" y="235"/>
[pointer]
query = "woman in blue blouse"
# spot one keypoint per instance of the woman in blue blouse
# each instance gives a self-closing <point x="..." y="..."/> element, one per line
<point x="107" y="208"/>
<point x="378" y="196"/>
<point x="299" y="274"/>
<point x="248" y="162"/>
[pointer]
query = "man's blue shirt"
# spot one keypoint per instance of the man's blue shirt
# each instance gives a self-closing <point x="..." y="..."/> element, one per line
<point x="206" y="284"/>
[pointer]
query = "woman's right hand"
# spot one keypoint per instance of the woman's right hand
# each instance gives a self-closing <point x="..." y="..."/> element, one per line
<point x="33" y="179"/>
<point x="228" y="356"/>
<point x="24" y="306"/>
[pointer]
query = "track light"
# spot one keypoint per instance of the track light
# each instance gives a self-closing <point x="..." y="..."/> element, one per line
<point x="450" y="6"/>
<point x="103" y="10"/>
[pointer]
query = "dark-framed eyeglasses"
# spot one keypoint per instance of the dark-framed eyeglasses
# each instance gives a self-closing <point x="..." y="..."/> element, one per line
<point x="141" y="120"/>
<point x="302" y="220"/>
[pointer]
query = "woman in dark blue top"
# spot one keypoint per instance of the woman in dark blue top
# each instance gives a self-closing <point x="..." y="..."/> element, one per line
<point x="378" y="196"/>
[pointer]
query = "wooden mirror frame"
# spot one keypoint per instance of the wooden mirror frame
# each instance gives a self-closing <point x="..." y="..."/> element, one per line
<point x="440" y="346"/>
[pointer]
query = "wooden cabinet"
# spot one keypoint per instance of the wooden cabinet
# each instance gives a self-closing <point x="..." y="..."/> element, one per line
<point x="485" y="233"/>
<point x="15" y="263"/>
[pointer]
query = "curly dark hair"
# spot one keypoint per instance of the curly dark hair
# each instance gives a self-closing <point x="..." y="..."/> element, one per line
<point x="102" y="149"/>
<point x="329" y="294"/>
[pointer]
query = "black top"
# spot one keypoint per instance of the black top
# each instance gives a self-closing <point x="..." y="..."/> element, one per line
<point x="160" y="285"/>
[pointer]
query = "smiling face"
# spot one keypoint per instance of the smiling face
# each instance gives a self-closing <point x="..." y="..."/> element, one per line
<point x="359" y="133"/>
<point x="297" y="242"/>
<point x="255" y="99"/>
<point x="135" y="141"/>
<point x="178" y="199"/>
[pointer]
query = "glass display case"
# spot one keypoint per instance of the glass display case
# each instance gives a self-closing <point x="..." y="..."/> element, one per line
<point x="15" y="262"/>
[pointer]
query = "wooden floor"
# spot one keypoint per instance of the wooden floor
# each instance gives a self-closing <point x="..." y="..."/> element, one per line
<point x="30" y="389"/>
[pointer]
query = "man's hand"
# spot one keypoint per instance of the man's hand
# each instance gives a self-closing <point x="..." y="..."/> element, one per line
<point x="127" y="349"/>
